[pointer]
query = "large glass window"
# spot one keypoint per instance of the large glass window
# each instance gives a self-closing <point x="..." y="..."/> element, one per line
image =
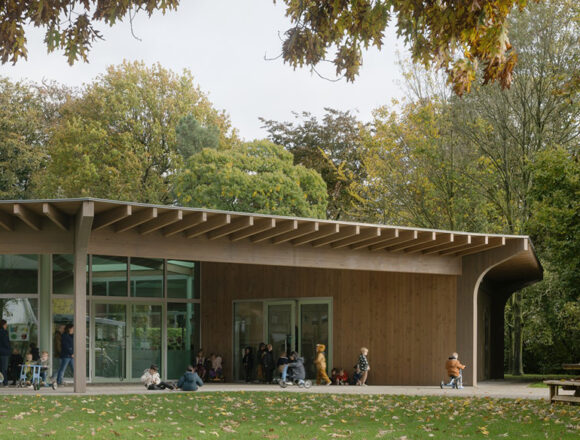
<point x="62" y="274"/>
<point x="182" y="279"/>
<point x="22" y="317"/>
<point x="248" y="332"/>
<point x="63" y="314"/>
<point x="109" y="276"/>
<point x="145" y="337"/>
<point x="18" y="274"/>
<point x="183" y="337"/>
<point x="146" y="277"/>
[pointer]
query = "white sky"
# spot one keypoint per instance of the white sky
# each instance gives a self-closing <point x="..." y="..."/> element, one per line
<point x="223" y="44"/>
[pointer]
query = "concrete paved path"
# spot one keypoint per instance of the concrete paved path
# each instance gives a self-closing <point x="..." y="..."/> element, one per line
<point x="492" y="389"/>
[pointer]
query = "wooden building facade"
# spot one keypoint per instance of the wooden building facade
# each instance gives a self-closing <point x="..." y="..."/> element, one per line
<point x="147" y="283"/>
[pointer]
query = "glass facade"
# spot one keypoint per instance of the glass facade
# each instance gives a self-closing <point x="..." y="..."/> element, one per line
<point x="130" y="321"/>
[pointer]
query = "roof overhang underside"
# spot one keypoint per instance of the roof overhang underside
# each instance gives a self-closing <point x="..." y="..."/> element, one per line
<point x="136" y="229"/>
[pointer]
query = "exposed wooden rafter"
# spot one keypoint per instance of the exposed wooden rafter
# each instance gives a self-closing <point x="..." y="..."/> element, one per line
<point x="58" y="217"/>
<point x="111" y="216"/>
<point x="458" y="242"/>
<point x="492" y="242"/>
<point x="404" y="236"/>
<point x="136" y="219"/>
<point x="215" y="222"/>
<point x="260" y="225"/>
<point x="27" y="216"/>
<point x="281" y="228"/>
<point x="323" y="231"/>
<point x="188" y="222"/>
<point x="344" y="232"/>
<point x="476" y="240"/>
<point x="161" y="221"/>
<point x="362" y="236"/>
<point x="303" y="229"/>
<point x="387" y="235"/>
<point x="6" y="221"/>
<point x="237" y="225"/>
<point x="442" y="238"/>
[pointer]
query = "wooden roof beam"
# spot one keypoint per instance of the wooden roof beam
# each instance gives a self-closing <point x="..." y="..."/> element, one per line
<point x="188" y="222"/>
<point x="345" y="232"/>
<point x="476" y="240"/>
<point x="304" y="229"/>
<point x="136" y="219"/>
<point x="6" y="221"/>
<point x="362" y="236"/>
<point x="404" y="237"/>
<point x="215" y="222"/>
<point x="280" y="229"/>
<point x="27" y="216"/>
<point x="260" y="225"/>
<point x="422" y="237"/>
<point x="161" y="221"/>
<point x="387" y="235"/>
<point x="323" y="231"/>
<point x="442" y="238"/>
<point x="58" y="217"/>
<point x="493" y="242"/>
<point x="459" y="241"/>
<point x="111" y="216"/>
<point x="238" y="224"/>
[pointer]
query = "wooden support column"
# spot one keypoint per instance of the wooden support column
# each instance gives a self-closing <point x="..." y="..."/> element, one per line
<point x="474" y="268"/>
<point x="83" y="224"/>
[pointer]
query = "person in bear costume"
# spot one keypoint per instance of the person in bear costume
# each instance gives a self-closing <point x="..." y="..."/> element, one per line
<point x="320" y="363"/>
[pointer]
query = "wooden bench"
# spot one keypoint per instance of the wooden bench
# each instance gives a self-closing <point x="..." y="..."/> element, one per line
<point x="567" y="385"/>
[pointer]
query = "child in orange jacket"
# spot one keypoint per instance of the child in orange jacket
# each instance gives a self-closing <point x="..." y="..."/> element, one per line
<point x="320" y="363"/>
<point x="453" y="367"/>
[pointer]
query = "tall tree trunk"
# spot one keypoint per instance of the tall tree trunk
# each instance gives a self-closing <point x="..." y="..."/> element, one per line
<point x="517" y="335"/>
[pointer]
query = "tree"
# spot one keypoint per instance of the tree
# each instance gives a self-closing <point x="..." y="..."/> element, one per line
<point x="255" y="177"/>
<point x="69" y="24"/>
<point x="192" y="137"/>
<point x="458" y="35"/>
<point x="117" y="138"/>
<point x="333" y="147"/>
<point x="23" y="133"/>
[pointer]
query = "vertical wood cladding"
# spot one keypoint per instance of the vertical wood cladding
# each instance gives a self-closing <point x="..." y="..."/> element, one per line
<point x="406" y="320"/>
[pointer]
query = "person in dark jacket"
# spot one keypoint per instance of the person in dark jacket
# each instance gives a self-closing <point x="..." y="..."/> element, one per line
<point x="5" y="351"/>
<point x="66" y="352"/>
<point x="190" y="380"/>
<point x="268" y="363"/>
<point x="248" y="363"/>
<point x="16" y="360"/>
<point x="295" y="369"/>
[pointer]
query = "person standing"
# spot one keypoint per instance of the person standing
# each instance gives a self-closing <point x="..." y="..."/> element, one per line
<point x="364" y="366"/>
<point x="4" y="350"/>
<point x="57" y="348"/>
<point x="320" y="363"/>
<point x="66" y="352"/>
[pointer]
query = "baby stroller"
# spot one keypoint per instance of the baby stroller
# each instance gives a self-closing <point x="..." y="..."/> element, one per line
<point x="32" y="374"/>
<point x="454" y="382"/>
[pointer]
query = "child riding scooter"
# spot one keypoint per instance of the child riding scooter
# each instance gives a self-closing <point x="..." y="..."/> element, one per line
<point x="294" y="373"/>
<point x="453" y="367"/>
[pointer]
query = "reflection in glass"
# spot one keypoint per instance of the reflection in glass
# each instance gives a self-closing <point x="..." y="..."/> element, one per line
<point x="313" y="330"/>
<point x="280" y="328"/>
<point x="18" y="273"/>
<point x="110" y="341"/>
<point x="22" y="317"/>
<point x="145" y="338"/>
<point x="183" y="337"/>
<point x="182" y="279"/>
<point x="146" y="277"/>
<point x="248" y="332"/>
<point x="109" y="275"/>
<point x="62" y="274"/>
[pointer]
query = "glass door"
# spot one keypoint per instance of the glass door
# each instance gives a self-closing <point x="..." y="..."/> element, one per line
<point x="281" y="326"/>
<point x="109" y="354"/>
<point x="146" y="321"/>
<point x="315" y="328"/>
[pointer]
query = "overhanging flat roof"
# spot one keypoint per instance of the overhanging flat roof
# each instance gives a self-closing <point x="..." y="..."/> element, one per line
<point x="266" y="231"/>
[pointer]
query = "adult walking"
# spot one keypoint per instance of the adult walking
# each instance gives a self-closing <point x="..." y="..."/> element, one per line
<point x="4" y="350"/>
<point x="57" y="348"/>
<point x="66" y="352"/>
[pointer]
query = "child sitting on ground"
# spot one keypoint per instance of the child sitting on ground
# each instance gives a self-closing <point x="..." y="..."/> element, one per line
<point x="152" y="380"/>
<point x="217" y="368"/>
<point x="333" y="376"/>
<point x="190" y="380"/>
<point x="341" y="377"/>
<point x="453" y="367"/>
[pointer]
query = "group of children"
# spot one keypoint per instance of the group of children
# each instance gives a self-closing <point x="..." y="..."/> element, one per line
<point x="339" y="376"/>
<point x="190" y="381"/>
<point x="210" y="368"/>
<point x="22" y="368"/>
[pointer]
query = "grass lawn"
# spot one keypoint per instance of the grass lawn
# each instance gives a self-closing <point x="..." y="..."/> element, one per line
<point x="282" y="415"/>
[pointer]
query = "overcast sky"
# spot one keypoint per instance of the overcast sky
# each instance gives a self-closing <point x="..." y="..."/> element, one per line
<point x="223" y="44"/>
